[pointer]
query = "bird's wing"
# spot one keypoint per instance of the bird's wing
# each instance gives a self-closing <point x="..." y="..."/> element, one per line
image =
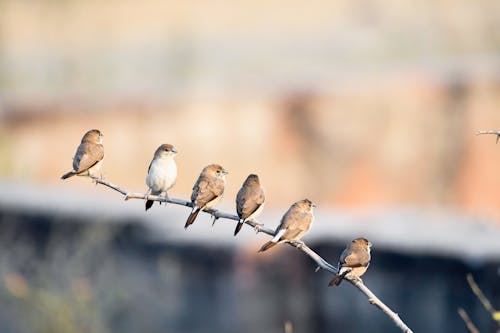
<point x="249" y="208"/>
<point x="149" y="167"/>
<point x="87" y="155"/>
<point x="203" y="192"/>
<point x="240" y="202"/>
<point x="297" y="219"/>
<point x="254" y="199"/>
<point x="355" y="258"/>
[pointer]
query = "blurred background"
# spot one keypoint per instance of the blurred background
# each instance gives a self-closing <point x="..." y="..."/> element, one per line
<point x="368" y="108"/>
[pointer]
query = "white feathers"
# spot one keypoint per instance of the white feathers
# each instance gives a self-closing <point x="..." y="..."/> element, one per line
<point x="278" y="235"/>
<point x="162" y="174"/>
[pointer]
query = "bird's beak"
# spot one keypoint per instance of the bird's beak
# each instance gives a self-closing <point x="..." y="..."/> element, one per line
<point x="174" y="150"/>
<point x="225" y="172"/>
<point x="314" y="205"/>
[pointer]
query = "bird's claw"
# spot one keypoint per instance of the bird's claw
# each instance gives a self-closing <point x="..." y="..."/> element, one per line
<point x="214" y="219"/>
<point x="258" y="227"/>
<point x="299" y="244"/>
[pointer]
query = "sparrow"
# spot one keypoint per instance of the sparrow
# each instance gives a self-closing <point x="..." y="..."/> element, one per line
<point x="354" y="261"/>
<point x="162" y="172"/>
<point x="88" y="157"/>
<point x="207" y="191"/>
<point x="249" y="201"/>
<point x="294" y="224"/>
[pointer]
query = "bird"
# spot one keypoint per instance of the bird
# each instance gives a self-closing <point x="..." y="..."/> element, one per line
<point x="354" y="261"/>
<point x="294" y="224"/>
<point x="207" y="191"/>
<point x="88" y="157"/>
<point x="249" y="201"/>
<point x="162" y="172"/>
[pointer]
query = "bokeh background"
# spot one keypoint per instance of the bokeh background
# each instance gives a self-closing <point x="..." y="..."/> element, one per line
<point x="368" y="108"/>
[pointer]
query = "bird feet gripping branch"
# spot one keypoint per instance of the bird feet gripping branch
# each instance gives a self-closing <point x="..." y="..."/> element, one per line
<point x="298" y="244"/>
<point x="258" y="227"/>
<point x="214" y="217"/>
<point x="96" y="180"/>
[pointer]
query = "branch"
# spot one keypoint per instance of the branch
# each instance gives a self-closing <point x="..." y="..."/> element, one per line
<point x="495" y="132"/>
<point x="482" y="298"/>
<point x="322" y="264"/>
<point x="465" y="317"/>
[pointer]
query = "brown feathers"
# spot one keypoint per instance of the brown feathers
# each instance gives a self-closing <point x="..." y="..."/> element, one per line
<point x="208" y="190"/>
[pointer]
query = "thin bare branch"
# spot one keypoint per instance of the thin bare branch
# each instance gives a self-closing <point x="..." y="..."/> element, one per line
<point x="321" y="263"/>
<point x="482" y="298"/>
<point x="468" y="323"/>
<point x="479" y="294"/>
<point x="358" y="283"/>
<point x="495" y="132"/>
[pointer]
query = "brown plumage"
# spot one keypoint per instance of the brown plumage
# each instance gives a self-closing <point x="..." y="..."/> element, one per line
<point x="354" y="260"/>
<point x="294" y="224"/>
<point x="249" y="201"/>
<point x="207" y="191"/>
<point x="88" y="157"/>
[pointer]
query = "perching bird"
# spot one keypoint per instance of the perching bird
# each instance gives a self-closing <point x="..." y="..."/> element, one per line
<point x="294" y="224"/>
<point x="162" y="172"/>
<point x="354" y="260"/>
<point x="249" y="201"/>
<point x="88" y="157"/>
<point x="207" y="191"/>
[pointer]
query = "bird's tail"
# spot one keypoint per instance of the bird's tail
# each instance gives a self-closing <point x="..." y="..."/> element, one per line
<point x="267" y="246"/>
<point x="238" y="226"/>
<point x="68" y="174"/>
<point x="338" y="278"/>
<point x="149" y="204"/>
<point x="192" y="217"/>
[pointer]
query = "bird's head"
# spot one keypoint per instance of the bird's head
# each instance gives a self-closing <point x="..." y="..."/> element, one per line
<point x="93" y="136"/>
<point x="165" y="150"/>
<point x="215" y="170"/>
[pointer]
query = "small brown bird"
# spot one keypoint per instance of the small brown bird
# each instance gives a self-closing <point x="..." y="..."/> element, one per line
<point x="88" y="157"/>
<point x="249" y="201"/>
<point x="162" y="172"/>
<point x="294" y="224"/>
<point x="354" y="261"/>
<point x="207" y="191"/>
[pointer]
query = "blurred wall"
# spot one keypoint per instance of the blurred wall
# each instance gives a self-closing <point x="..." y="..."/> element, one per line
<point x="359" y="103"/>
<point x="60" y="273"/>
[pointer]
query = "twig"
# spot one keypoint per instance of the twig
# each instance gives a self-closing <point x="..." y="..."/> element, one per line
<point x="358" y="283"/>
<point x="260" y="228"/>
<point x="495" y="132"/>
<point x="482" y="298"/>
<point x="465" y="317"/>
